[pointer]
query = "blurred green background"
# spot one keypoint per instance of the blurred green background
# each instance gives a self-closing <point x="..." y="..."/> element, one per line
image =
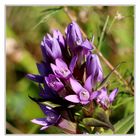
<point x="25" y="28"/>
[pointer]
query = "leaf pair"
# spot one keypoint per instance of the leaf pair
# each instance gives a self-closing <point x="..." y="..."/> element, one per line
<point x="100" y="119"/>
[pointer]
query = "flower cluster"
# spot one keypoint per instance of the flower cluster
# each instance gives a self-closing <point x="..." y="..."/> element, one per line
<point x="68" y="76"/>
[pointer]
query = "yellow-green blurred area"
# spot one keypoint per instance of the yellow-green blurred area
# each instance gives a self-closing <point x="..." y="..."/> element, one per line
<point x="25" y="28"/>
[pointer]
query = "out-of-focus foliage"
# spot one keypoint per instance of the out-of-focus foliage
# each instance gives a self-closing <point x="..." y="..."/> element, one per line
<point x="25" y="28"/>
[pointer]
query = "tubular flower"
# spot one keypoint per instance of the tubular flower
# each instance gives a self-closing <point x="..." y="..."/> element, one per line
<point x="84" y="94"/>
<point x="104" y="99"/>
<point x="50" y="48"/>
<point x="52" y="117"/>
<point x="61" y="69"/>
<point x="94" y="68"/>
<point x="75" y="40"/>
<point x="54" y="82"/>
<point x="60" y="38"/>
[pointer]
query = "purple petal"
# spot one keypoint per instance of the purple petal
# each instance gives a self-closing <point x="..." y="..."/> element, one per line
<point x="49" y="36"/>
<point x="103" y="98"/>
<point x="60" y="71"/>
<point x="40" y="121"/>
<point x="57" y="34"/>
<point x="41" y="68"/>
<point x="77" y="30"/>
<point x="36" y="78"/>
<point x="87" y="45"/>
<point x="88" y="83"/>
<point x="56" y="50"/>
<point x="44" y="68"/>
<point x="54" y="82"/>
<point x="73" y="63"/>
<point x="54" y="68"/>
<point x="47" y="110"/>
<point x="60" y="63"/>
<point x="76" y="86"/>
<point x="94" y="95"/>
<point x="72" y="98"/>
<point x="93" y="66"/>
<point x="90" y="65"/>
<point x="113" y="95"/>
<point x="84" y="102"/>
<point x="73" y="36"/>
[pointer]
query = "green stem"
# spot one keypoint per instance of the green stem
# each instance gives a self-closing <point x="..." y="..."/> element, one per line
<point x="111" y="24"/>
<point x="102" y="34"/>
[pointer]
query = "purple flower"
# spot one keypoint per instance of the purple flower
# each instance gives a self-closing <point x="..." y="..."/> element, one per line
<point x="44" y="69"/>
<point x="75" y="40"/>
<point x="83" y="94"/>
<point x="50" y="48"/>
<point x="94" y="68"/>
<point x="61" y="69"/>
<point x="52" y="117"/>
<point x="54" y="82"/>
<point x="104" y="99"/>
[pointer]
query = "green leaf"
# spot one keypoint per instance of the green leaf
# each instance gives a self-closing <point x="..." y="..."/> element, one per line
<point x="48" y="15"/>
<point x="41" y="101"/>
<point x="96" y="123"/>
<point x="123" y="126"/>
<point x="99" y="119"/>
<point x="104" y="82"/>
<point x="123" y="101"/>
<point x="52" y="9"/>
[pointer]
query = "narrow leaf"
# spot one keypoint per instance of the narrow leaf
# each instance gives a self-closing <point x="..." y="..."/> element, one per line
<point x="104" y="82"/>
<point x="44" y="102"/>
<point x="96" y="123"/>
<point x="52" y="9"/>
<point x="123" y="126"/>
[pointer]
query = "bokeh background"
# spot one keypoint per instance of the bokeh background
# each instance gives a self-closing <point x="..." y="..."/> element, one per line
<point x="25" y="28"/>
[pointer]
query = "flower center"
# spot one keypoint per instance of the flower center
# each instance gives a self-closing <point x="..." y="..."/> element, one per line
<point x="53" y="84"/>
<point x="65" y="72"/>
<point x="84" y="95"/>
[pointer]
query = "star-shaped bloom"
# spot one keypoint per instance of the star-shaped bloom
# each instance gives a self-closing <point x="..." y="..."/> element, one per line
<point x="61" y="69"/>
<point x="54" y="82"/>
<point x="105" y="100"/>
<point x="84" y="94"/>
